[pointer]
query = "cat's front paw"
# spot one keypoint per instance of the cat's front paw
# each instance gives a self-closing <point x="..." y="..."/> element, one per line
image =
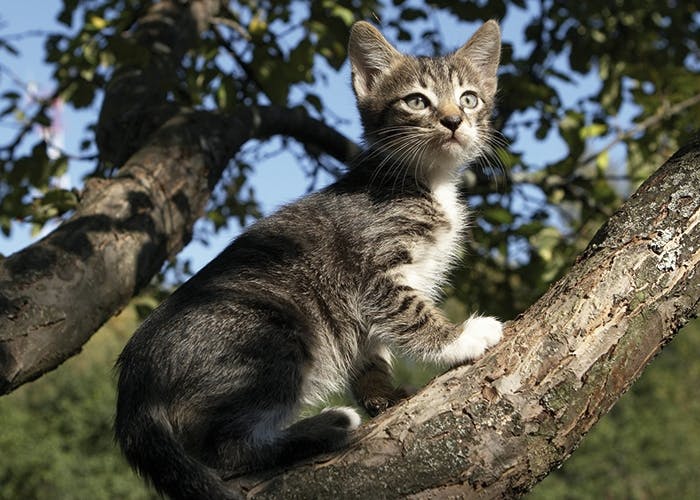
<point x="478" y="334"/>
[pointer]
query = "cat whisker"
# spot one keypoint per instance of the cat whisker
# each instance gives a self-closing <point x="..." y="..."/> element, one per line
<point x="398" y="169"/>
<point x="491" y="160"/>
<point x="398" y="149"/>
<point x="390" y="149"/>
<point x="412" y="157"/>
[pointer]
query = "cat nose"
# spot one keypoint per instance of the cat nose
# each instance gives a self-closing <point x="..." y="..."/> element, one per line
<point x="451" y="121"/>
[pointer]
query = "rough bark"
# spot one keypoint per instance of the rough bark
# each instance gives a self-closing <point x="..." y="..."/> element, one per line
<point x="495" y="428"/>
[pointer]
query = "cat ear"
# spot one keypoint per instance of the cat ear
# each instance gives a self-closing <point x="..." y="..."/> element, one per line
<point x="483" y="50"/>
<point x="370" y="55"/>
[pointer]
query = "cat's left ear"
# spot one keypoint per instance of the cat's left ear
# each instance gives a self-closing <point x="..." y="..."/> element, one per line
<point x="370" y="55"/>
<point x="483" y="50"/>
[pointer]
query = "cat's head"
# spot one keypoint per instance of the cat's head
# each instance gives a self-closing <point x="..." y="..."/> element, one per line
<point x="429" y="114"/>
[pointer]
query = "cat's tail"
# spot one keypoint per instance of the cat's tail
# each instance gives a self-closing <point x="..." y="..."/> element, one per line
<point x="150" y="446"/>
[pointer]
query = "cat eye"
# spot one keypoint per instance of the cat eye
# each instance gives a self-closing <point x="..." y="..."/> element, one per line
<point x="416" y="101"/>
<point x="469" y="100"/>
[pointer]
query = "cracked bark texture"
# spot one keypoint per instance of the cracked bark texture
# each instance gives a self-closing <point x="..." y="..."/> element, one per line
<point x="495" y="428"/>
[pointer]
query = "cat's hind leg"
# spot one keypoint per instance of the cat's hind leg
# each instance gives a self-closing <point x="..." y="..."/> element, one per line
<point x="373" y="384"/>
<point x="267" y="448"/>
<point x="327" y="431"/>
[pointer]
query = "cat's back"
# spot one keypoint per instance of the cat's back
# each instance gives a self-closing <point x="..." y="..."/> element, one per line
<point x="360" y="228"/>
<point x="337" y="229"/>
<point x="314" y="255"/>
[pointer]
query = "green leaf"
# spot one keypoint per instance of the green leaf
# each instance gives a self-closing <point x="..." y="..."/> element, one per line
<point x="221" y="96"/>
<point x="497" y="215"/>
<point x="344" y="14"/>
<point x="80" y="93"/>
<point x="5" y="225"/>
<point x="411" y="14"/>
<point x="602" y="161"/>
<point x="65" y="16"/>
<point x="569" y="129"/>
<point x="593" y="130"/>
<point x="257" y="26"/>
<point x="545" y="241"/>
<point x="61" y="199"/>
<point x="96" y="22"/>
<point x="301" y="61"/>
<point x="39" y="169"/>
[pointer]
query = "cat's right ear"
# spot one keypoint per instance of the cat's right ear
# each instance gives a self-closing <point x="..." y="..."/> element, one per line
<point x="370" y="55"/>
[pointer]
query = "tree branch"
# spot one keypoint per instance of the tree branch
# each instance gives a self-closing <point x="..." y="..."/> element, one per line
<point x="136" y="99"/>
<point x="57" y="292"/>
<point x="663" y="113"/>
<point x="493" y="429"/>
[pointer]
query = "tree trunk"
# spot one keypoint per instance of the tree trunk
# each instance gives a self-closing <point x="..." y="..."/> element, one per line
<point x="495" y="428"/>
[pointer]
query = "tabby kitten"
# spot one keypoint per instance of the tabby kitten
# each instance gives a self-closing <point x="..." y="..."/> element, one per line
<point x="307" y="301"/>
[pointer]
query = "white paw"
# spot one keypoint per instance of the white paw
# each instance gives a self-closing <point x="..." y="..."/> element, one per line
<point x="351" y="414"/>
<point x="478" y="334"/>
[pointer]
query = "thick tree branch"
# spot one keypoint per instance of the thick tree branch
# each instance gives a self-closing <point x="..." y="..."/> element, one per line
<point x="493" y="429"/>
<point x="136" y="101"/>
<point x="57" y="292"/>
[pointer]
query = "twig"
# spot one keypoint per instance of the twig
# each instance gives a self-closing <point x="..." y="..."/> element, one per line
<point x="232" y="24"/>
<point x="250" y="74"/>
<point x="26" y="34"/>
<point x="662" y="114"/>
<point x="70" y="156"/>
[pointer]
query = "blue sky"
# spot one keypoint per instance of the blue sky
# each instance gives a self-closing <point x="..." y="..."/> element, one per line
<point x="275" y="182"/>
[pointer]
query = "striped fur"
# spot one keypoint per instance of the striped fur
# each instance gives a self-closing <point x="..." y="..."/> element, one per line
<point x="309" y="300"/>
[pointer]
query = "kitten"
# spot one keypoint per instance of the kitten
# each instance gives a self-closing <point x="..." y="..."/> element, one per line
<point x="307" y="301"/>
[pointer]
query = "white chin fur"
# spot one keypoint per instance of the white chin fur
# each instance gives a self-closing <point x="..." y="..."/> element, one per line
<point x="478" y="334"/>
